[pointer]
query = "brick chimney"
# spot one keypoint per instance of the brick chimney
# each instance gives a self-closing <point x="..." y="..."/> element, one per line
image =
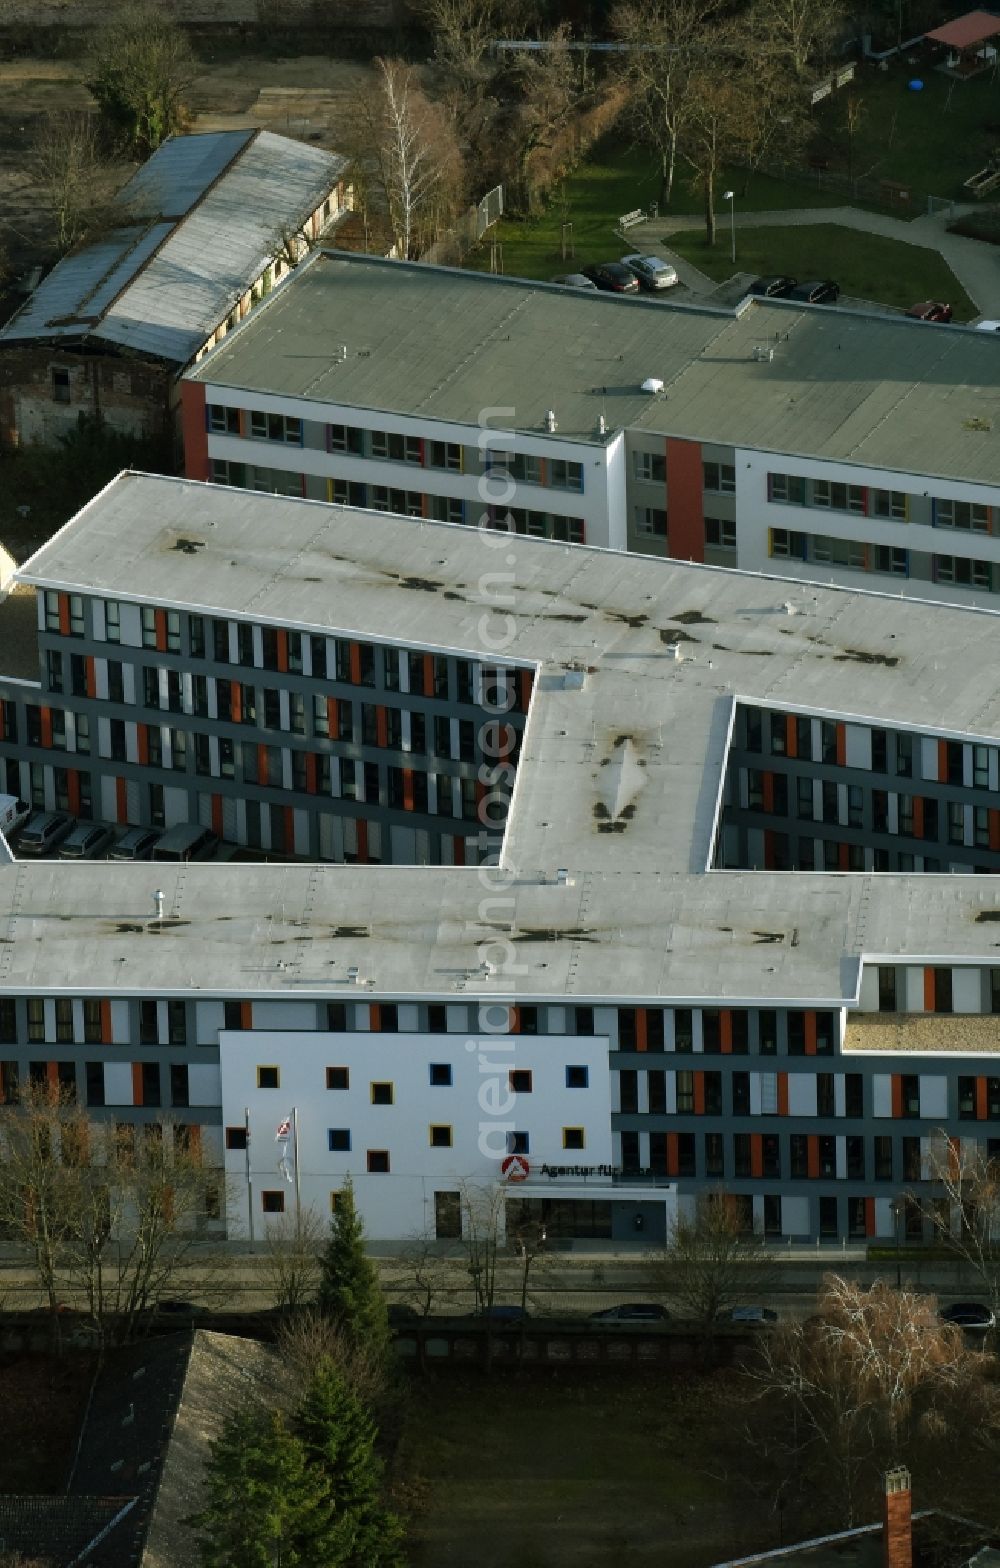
<point x="897" y="1534"/>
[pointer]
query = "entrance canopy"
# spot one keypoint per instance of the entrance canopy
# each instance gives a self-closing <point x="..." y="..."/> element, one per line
<point x="965" y="32"/>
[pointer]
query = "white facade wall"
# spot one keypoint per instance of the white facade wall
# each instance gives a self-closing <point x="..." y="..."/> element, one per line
<point x="478" y="1106"/>
<point x="755" y="514"/>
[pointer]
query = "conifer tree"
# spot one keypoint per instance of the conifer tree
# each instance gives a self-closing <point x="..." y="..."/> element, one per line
<point x="349" y="1290"/>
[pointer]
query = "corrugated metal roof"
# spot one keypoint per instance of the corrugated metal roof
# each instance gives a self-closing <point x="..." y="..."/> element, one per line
<point x="220" y="202"/>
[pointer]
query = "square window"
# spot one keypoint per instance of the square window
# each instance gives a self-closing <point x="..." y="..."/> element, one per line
<point x="440" y="1075"/>
<point x="338" y="1078"/>
<point x="577" y="1077"/>
<point x="518" y="1143"/>
<point x="382" y="1094"/>
<point x="441" y="1137"/>
<point x="268" y="1078"/>
<point x="272" y="1202"/>
<point x="378" y="1162"/>
<point x="334" y="1202"/>
<point x="572" y="1138"/>
<point x="520" y="1080"/>
<point x="339" y="1140"/>
<point x="236" y="1137"/>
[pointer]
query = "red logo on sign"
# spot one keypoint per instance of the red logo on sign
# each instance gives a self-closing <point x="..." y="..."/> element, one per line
<point x="515" y="1167"/>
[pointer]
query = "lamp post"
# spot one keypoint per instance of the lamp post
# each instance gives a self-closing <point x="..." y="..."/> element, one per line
<point x="730" y="196"/>
<point x="898" y="1210"/>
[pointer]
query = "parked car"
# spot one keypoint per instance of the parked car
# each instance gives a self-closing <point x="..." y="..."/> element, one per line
<point x="14" y="814"/>
<point x="988" y="326"/>
<point x="186" y="842"/>
<point x="652" y="272"/>
<point x="757" y="1317"/>
<point x="632" y="1312"/>
<point x="136" y="844"/>
<point x="85" y="841"/>
<point x="930" y="310"/>
<point x="825" y="293"/>
<point x="772" y="288"/>
<point x="171" y="1307"/>
<point x="575" y="280"/>
<point x="43" y="831"/>
<point x="504" y="1314"/>
<point x="968" y="1315"/>
<point x="612" y="277"/>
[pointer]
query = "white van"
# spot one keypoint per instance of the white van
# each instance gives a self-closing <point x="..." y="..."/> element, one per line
<point x="14" y="814"/>
<point x="187" y="841"/>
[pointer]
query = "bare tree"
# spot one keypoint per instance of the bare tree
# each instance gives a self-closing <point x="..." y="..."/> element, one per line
<point x="709" y="1264"/>
<point x="462" y="31"/>
<point x="140" y="74"/>
<point x="852" y="1380"/>
<point x="291" y="1259"/>
<point x="666" y="43"/>
<point x="544" y="91"/>
<point x="803" y="32"/>
<point x="38" y="1192"/>
<point x="428" y="1275"/>
<point x="309" y="1338"/>
<point x="407" y="156"/>
<point x="69" y="164"/>
<point x="965" y="1209"/>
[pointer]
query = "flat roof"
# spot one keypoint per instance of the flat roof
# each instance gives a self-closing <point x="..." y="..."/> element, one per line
<point x="204" y="215"/>
<point x="618" y="780"/>
<point x="440" y="344"/>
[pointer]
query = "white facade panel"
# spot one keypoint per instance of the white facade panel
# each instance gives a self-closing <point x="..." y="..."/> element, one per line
<point x="858" y="746"/>
<point x="882" y="1094"/>
<point x="131" y="625"/>
<point x="967" y="990"/>
<point x="913" y="989"/>
<point x="801" y="1094"/>
<point x="204" y="1084"/>
<point x="795" y="1217"/>
<point x="118" y="1083"/>
<point x="928" y="757"/>
<point x="933" y="1095"/>
<point x="284" y="1015"/>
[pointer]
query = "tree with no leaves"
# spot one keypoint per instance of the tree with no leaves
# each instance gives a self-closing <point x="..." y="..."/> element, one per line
<point x="544" y="90"/>
<point x="710" y="1264"/>
<point x="802" y="32"/>
<point x="68" y="164"/>
<point x="965" y="1209"/>
<point x="141" y="71"/>
<point x="291" y="1260"/>
<point x="407" y="158"/>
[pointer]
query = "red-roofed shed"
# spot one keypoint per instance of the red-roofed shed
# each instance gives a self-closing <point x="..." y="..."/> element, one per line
<point x="967" y="31"/>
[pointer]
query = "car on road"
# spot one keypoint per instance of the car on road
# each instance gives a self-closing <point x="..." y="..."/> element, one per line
<point x="612" y="277"/>
<point x="43" y="831"/>
<point x="988" y="326"/>
<point x="136" y="844"/>
<point x="825" y="292"/>
<point x="652" y="272"/>
<point x="85" y="841"/>
<point x="755" y="1317"/>
<point x="575" y="280"/>
<point x="930" y="310"/>
<point x="772" y="288"/>
<point x="632" y="1312"/>
<point x="971" y="1315"/>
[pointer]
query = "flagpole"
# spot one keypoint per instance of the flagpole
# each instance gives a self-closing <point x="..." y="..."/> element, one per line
<point x="295" y="1156"/>
<point x="246" y="1123"/>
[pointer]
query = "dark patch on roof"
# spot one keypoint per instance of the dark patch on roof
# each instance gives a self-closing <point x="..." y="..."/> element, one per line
<point x="672" y="634"/>
<point x="861" y="657"/>
<point x="540" y="934"/>
<point x="985" y="915"/>
<point x="693" y="618"/>
<point x="189" y="546"/>
<point x="350" y="931"/>
<point x="768" y="936"/>
<point x="422" y="584"/>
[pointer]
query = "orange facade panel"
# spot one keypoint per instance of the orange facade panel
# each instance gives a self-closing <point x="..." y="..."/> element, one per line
<point x="685" y="500"/>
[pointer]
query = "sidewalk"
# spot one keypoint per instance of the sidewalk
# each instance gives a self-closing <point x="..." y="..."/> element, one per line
<point x="975" y="263"/>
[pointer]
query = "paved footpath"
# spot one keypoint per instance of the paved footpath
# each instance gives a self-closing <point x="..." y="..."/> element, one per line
<point x="975" y="263"/>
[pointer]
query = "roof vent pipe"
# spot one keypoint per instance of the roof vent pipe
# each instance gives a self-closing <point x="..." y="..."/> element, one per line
<point x="158" y="904"/>
<point x="653" y="385"/>
<point x="551" y="423"/>
<point x="602" y="426"/>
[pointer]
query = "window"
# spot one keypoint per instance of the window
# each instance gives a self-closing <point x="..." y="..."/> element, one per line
<point x="888" y="503"/>
<point x="787" y="545"/>
<point x="910" y="1083"/>
<point x="276" y="427"/>
<point x="236" y="1138"/>
<point x="272" y="1202"/>
<point x="962" y="571"/>
<point x="382" y="1093"/>
<point x="720" y="532"/>
<point x="577" y="1077"/>
<point x="683" y="1029"/>
<point x="854" y="1099"/>
<point x="942" y="991"/>
<point x="651" y="522"/>
<point x="94" y="1073"/>
<point x="64" y="1021"/>
<point x="741" y="1094"/>
<point x="378" y="1162"/>
<point x="886" y="988"/>
<point x="518" y="1143"/>
<point x="443" y="454"/>
<point x="790" y="489"/>
<point x="338" y="1078"/>
<point x="565" y="476"/>
<point x="441" y="1137"/>
<point x="222" y="420"/>
<point x="685" y="1093"/>
<point x="339" y="1140"/>
<point x="650" y="466"/>
<point x="883" y="1159"/>
<point x="838" y="497"/>
<point x="178" y="1083"/>
<point x="440" y="1075"/>
<point x="268" y="1078"/>
<point x="60" y="386"/>
<point x="714" y="1159"/>
<point x="719" y="477"/>
<point x="968" y="515"/>
<point x="572" y="1138"/>
<point x="520" y="1080"/>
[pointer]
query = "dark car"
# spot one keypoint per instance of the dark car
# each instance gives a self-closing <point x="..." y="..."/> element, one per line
<point x="136" y="844"/>
<point x="825" y="293"/>
<point x="85" y="841"/>
<point x="754" y="1317"/>
<point x="172" y="1307"/>
<point x="503" y="1314"/>
<point x="632" y="1312"/>
<point x="968" y="1315"/>
<point x="44" y="831"/>
<point x="930" y="310"/>
<point x="613" y="277"/>
<point x="575" y="280"/>
<point x="772" y="288"/>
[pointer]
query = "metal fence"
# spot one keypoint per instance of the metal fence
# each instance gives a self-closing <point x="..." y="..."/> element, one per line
<point x="451" y="248"/>
<point x="891" y="196"/>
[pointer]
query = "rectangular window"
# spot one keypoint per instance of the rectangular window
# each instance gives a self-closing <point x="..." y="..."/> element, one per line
<point x="64" y="1021"/>
<point x="720" y="532"/>
<point x="339" y="1140"/>
<point x="888" y="503"/>
<point x="268" y="1078"/>
<point x="378" y="1162"/>
<point x="275" y="427"/>
<point x="968" y="515"/>
<point x="790" y="489"/>
<point x="785" y="544"/>
<point x="651" y="522"/>
<point x="440" y="1136"/>
<point x="60" y="386"/>
<point x="719" y="478"/>
<point x="338" y="1078"/>
<point x="650" y="466"/>
<point x="838" y="497"/>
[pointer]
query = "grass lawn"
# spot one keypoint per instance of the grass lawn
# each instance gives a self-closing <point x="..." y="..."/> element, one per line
<point x="615" y="179"/>
<point x="560" y="1469"/>
<point x="927" y="139"/>
<point x="865" y="265"/>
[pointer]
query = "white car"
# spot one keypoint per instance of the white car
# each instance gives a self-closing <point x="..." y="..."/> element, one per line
<point x="988" y="326"/>
<point x="651" y="271"/>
